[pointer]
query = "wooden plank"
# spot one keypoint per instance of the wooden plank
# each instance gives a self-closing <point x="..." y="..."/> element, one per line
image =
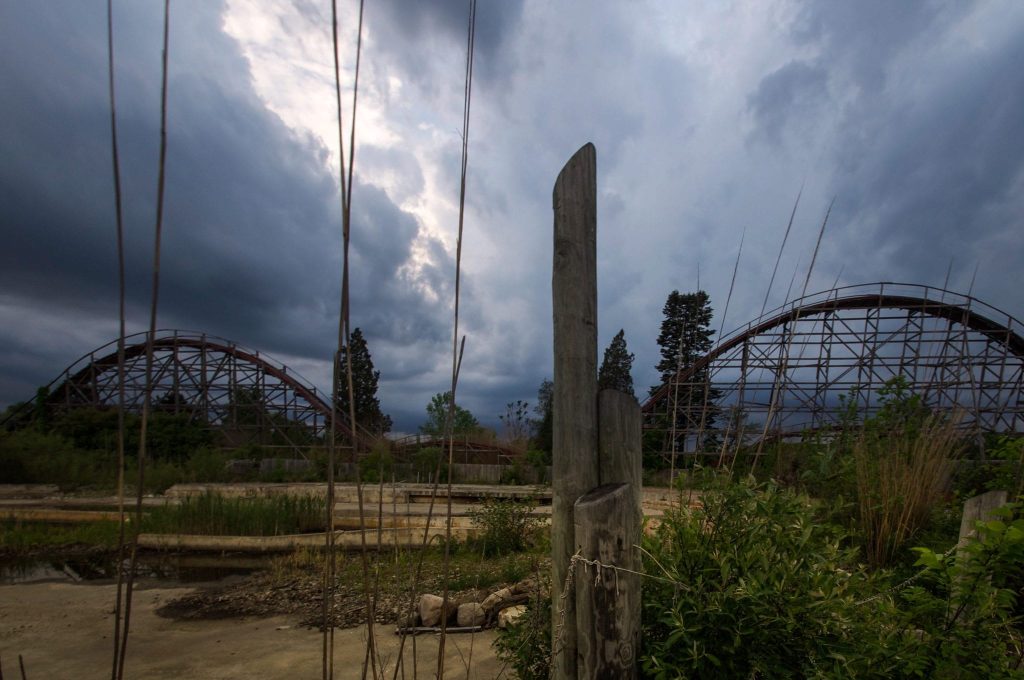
<point x="607" y="600"/>
<point x="620" y="458"/>
<point x="574" y="402"/>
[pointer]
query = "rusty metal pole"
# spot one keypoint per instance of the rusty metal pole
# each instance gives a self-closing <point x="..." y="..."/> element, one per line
<point x="574" y="402"/>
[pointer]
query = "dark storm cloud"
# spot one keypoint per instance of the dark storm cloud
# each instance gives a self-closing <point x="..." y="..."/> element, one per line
<point x="412" y="28"/>
<point x="252" y="242"/>
<point x="929" y="154"/>
<point x="792" y="91"/>
<point x="867" y="35"/>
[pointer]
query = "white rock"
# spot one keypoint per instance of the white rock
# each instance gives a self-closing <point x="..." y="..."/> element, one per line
<point x="430" y="610"/>
<point x="510" y="615"/>
<point x="470" y="614"/>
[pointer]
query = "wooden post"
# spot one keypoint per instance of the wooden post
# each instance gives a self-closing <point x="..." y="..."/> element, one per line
<point x="979" y="509"/>
<point x="607" y="600"/>
<point x="620" y="459"/>
<point x="574" y="402"/>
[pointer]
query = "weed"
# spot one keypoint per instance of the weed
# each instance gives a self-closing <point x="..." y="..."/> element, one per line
<point x="505" y="526"/>
<point x="217" y="515"/>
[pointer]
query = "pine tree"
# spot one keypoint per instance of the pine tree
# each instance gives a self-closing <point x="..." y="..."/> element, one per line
<point x="685" y="332"/>
<point x="685" y="337"/>
<point x="364" y="387"/>
<point x="614" y="373"/>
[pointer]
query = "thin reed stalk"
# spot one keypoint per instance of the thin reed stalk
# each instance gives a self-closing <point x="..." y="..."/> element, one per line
<point x="783" y="369"/>
<point x="154" y="302"/>
<point x="457" y="352"/>
<point x="119" y="215"/>
<point x="344" y="340"/>
<point x="785" y="237"/>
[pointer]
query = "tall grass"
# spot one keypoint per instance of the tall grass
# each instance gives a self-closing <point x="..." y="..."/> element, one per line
<point x="901" y="475"/>
<point x="217" y="515"/>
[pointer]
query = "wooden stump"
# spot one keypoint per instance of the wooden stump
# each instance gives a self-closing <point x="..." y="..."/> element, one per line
<point x="607" y="600"/>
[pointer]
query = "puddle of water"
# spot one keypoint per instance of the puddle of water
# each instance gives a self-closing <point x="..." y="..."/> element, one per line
<point x="182" y="568"/>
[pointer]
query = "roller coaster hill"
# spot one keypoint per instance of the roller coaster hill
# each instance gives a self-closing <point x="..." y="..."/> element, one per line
<point x="241" y="398"/>
<point x="804" y="367"/>
<point x="794" y="370"/>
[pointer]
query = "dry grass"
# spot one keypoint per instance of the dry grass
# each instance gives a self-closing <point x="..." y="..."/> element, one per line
<point x="901" y="476"/>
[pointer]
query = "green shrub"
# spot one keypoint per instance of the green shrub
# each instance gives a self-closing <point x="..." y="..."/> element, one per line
<point x="377" y="464"/>
<point x="505" y="526"/>
<point x="763" y="590"/>
<point x="31" y="456"/>
<point x="966" y="614"/>
<point x="425" y="462"/>
<point x="754" y="585"/>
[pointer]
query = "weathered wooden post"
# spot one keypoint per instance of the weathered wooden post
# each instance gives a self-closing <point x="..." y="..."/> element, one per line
<point x="574" y="402"/>
<point x="595" y="461"/>
<point x="607" y="600"/>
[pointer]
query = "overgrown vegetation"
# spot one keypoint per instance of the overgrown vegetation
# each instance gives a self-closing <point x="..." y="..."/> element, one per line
<point x="218" y="515"/>
<point x="17" y="536"/>
<point x="761" y="585"/>
<point x="505" y="526"/>
<point x="526" y="644"/>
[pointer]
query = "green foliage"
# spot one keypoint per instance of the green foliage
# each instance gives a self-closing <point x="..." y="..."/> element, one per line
<point x="32" y="456"/>
<point x="526" y="644"/>
<point x="463" y="422"/>
<point x="426" y="461"/>
<point x="685" y="337"/>
<point x="756" y="585"/>
<point x="764" y="589"/>
<point x="378" y="464"/>
<point x="539" y="461"/>
<point x="505" y="526"/>
<point x="685" y="332"/>
<point x="1002" y="470"/>
<point x="364" y="387"/>
<point x="170" y="436"/>
<point x="615" y="372"/>
<point x="967" y="612"/>
<point x="18" y="536"/>
<point x="542" y="425"/>
<point x="514" y="473"/>
<point x="217" y="515"/>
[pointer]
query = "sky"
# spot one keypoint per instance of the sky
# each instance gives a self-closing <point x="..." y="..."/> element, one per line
<point x="708" y="118"/>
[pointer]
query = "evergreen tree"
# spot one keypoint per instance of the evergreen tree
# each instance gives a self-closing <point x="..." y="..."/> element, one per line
<point x="614" y="373"/>
<point x="364" y="387"/>
<point x="685" y="337"/>
<point x="542" y="433"/>
<point x="685" y="332"/>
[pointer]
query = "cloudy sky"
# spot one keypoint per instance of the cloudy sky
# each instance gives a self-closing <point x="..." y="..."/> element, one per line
<point x="708" y="118"/>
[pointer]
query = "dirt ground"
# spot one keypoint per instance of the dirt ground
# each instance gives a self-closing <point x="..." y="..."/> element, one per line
<point x="63" y="630"/>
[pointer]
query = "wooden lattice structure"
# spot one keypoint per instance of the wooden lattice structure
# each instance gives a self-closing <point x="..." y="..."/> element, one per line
<point x="803" y="366"/>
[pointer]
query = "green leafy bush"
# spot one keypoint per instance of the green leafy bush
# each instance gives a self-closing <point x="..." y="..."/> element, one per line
<point x="505" y="526"/>
<point x="755" y="585"/>
<point x="749" y="585"/>
<point x="966" y="613"/>
<point x="426" y="460"/>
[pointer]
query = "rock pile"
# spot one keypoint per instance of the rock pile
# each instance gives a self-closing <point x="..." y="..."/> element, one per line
<point x="502" y="607"/>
